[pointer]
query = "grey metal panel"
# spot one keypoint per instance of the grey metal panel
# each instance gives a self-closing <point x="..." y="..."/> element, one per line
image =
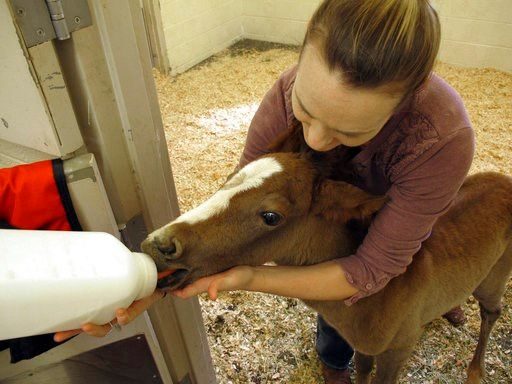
<point x="34" y="21"/>
<point x="152" y="13"/>
<point x="35" y="108"/>
<point x="13" y="154"/>
<point x="177" y="323"/>
<point x="25" y="119"/>
<point x="37" y="26"/>
<point x="94" y="102"/>
<point x="88" y="194"/>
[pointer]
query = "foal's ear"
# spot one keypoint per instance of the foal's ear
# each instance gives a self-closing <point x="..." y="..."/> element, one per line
<point x="340" y="201"/>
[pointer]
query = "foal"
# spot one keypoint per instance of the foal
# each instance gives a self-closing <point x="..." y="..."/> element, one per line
<point x="280" y="208"/>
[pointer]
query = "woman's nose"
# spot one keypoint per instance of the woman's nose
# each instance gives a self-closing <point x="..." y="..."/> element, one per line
<point x="318" y="137"/>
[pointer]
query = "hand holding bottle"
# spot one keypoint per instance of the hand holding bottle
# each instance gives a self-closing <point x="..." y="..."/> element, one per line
<point x="123" y="317"/>
<point x="77" y="280"/>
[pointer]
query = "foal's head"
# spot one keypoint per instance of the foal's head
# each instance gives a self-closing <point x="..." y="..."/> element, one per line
<point x="277" y="208"/>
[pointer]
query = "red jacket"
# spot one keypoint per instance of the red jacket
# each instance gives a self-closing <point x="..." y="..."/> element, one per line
<point x="35" y="196"/>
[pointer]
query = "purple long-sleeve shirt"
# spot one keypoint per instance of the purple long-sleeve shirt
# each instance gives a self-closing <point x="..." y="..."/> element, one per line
<point x="419" y="159"/>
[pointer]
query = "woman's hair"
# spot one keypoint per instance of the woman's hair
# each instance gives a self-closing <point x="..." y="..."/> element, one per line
<point x="377" y="42"/>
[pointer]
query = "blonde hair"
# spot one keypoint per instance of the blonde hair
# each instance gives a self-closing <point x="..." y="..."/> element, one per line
<point x="377" y="42"/>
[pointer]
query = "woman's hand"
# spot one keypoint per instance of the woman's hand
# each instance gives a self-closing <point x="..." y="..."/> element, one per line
<point x="123" y="317"/>
<point x="231" y="280"/>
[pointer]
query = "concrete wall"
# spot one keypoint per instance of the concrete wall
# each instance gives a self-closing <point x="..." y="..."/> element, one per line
<point x="476" y="33"/>
<point x="279" y="21"/>
<point x="197" y="29"/>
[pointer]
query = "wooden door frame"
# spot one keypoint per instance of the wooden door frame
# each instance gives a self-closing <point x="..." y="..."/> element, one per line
<point x="177" y="323"/>
<point x="152" y="14"/>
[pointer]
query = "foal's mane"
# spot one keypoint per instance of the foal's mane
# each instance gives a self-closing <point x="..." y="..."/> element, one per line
<point x="333" y="164"/>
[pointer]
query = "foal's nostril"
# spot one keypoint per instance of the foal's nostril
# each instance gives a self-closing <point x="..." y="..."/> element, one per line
<point x="167" y="250"/>
<point x="170" y="250"/>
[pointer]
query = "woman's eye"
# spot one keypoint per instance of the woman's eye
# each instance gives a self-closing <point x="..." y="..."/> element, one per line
<point x="271" y="218"/>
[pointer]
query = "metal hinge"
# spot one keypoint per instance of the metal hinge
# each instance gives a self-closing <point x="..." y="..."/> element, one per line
<point x="44" y="20"/>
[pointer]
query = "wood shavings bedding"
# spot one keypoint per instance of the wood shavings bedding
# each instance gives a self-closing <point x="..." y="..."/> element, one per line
<point x="258" y="338"/>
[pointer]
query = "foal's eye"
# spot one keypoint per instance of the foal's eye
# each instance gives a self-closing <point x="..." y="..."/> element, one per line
<point x="271" y="218"/>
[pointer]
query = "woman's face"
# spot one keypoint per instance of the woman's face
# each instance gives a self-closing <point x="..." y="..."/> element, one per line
<point x="333" y="113"/>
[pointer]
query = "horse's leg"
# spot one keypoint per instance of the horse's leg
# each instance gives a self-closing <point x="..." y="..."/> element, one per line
<point x="364" y="366"/>
<point x="390" y="363"/>
<point x="476" y="370"/>
<point x="489" y="294"/>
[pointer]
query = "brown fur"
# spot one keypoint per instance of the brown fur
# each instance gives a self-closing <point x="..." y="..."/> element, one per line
<point x="469" y="252"/>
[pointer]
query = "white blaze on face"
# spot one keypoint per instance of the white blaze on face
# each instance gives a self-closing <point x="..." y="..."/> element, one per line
<point x="249" y="177"/>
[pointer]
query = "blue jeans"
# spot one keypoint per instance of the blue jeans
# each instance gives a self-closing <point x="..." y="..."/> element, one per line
<point x="332" y="349"/>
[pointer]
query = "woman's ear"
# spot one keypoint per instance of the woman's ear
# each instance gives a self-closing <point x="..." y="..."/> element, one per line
<point x="340" y="201"/>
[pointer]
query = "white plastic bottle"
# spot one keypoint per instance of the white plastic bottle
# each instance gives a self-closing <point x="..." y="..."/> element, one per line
<point x="58" y="280"/>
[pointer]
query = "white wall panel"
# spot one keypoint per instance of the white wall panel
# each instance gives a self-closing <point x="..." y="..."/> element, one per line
<point x="476" y="33"/>
<point x="197" y="29"/>
<point x="280" y="21"/>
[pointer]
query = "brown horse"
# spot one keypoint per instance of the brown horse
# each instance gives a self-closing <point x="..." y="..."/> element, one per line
<point x="279" y="208"/>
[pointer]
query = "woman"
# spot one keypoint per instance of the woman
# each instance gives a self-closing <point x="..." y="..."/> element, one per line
<point x="364" y="85"/>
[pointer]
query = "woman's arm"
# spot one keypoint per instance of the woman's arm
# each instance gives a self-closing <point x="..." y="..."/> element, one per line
<point x="324" y="281"/>
<point x="421" y="191"/>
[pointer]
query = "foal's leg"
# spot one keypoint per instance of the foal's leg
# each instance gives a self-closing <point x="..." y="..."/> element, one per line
<point x="489" y="294"/>
<point x="364" y="366"/>
<point x="476" y="370"/>
<point x="390" y="363"/>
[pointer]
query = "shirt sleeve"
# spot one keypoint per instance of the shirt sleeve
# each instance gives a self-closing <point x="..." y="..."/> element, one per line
<point x="419" y="194"/>
<point x="268" y="122"/>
